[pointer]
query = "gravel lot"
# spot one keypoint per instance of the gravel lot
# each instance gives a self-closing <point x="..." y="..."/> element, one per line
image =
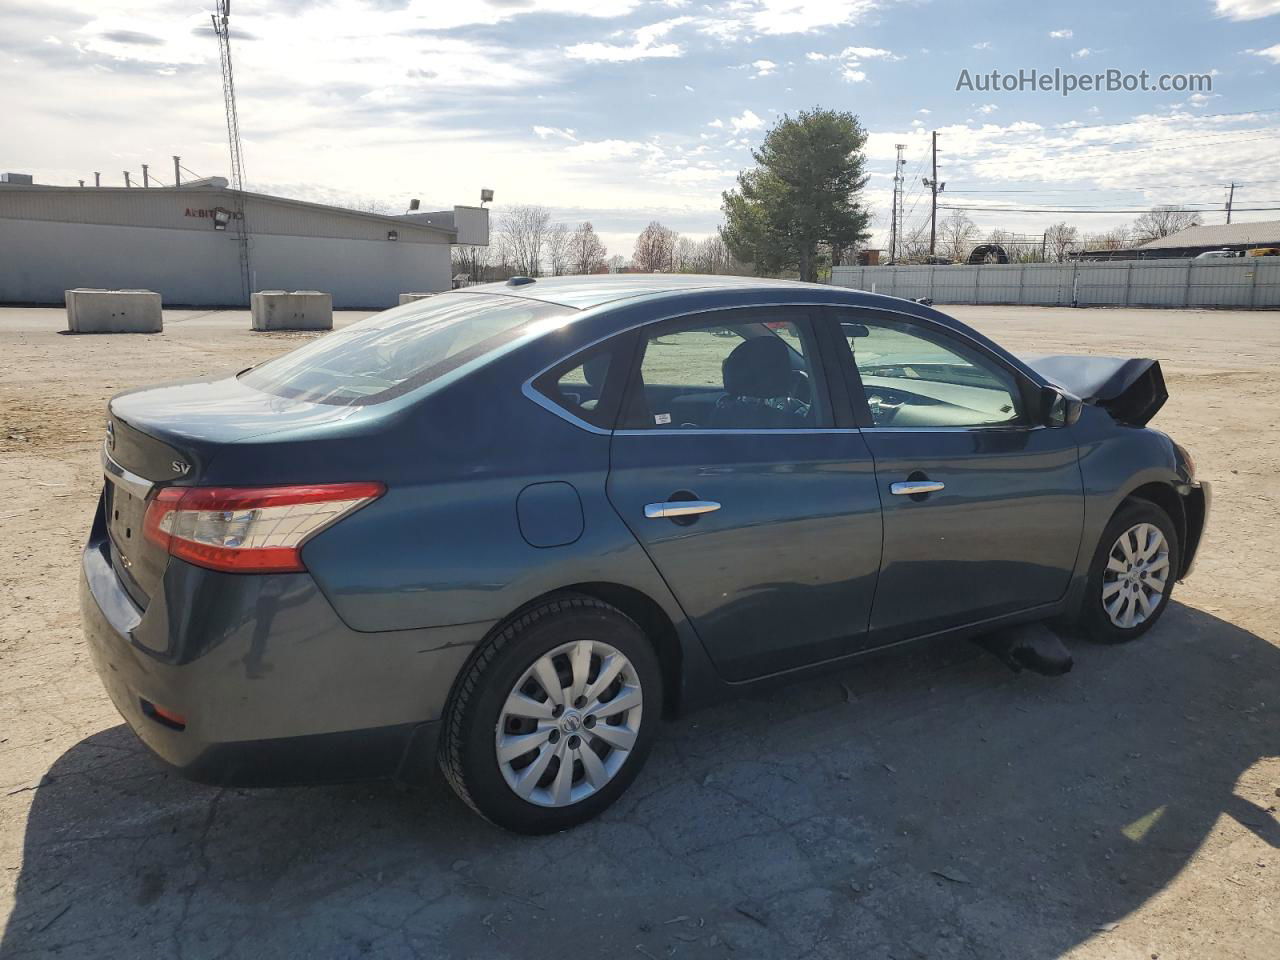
<point x="926" y="803"/>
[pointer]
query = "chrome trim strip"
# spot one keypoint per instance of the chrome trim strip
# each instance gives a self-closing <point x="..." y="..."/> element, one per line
<point x="530" y="391"/>
<point x="551" y="406"/>
<point x="139" y="487"/>
<point x="745" y="432"/>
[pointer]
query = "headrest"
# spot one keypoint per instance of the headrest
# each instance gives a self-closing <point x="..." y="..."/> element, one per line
<point x="596" y="369"/>
<point x="759" y="367"/>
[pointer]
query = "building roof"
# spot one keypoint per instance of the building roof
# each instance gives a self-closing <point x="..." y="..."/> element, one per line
<point x="584" y="292"/>
<point x="168" y="206"/>
<point x="1264" y="233"/>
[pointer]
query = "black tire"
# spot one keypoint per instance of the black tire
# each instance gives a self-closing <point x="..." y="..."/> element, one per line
<point x="1092" y="620"/>
<point x="468" y="754"/>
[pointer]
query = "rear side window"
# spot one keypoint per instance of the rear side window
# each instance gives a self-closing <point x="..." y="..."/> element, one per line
<point x="401" y="349"/>
<point x="586" y="386"/>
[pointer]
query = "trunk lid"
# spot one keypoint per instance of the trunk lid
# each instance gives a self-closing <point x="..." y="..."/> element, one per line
<point x="168" y="435"/>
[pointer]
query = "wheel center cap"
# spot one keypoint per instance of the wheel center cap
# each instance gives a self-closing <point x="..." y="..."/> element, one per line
<point x="570" y="723"/>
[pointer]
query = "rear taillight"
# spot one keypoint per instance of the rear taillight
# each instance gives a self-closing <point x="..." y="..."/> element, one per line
<point x="249" y="529"/>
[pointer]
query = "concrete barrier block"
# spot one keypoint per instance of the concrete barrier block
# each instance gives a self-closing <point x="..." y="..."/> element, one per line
<point x="411" y="297"/>
<point x="297" y="310"/>
<point x="113" y="311"/>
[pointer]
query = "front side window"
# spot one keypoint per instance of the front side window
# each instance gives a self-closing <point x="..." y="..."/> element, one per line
<point x="745" y="371"/>
<point x="915" y="379"/>
<point x="400" y="349"/>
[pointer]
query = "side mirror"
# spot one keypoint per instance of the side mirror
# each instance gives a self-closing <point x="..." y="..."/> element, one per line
<point x="1061" y="409"/>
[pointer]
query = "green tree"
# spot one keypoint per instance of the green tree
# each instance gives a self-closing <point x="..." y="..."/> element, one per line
<point x="803" y="192"/>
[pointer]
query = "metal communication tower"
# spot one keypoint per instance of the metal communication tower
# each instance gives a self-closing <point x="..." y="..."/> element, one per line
<point x="222" y="28"/>
<point x="895" y="215"/>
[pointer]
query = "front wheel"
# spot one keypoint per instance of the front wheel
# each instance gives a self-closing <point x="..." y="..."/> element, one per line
<point x="1132" y="574"/>
<point x="553" y="717"/>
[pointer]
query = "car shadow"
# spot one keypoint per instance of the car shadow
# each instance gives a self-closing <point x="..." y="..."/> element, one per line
<point x="922" y="803"/>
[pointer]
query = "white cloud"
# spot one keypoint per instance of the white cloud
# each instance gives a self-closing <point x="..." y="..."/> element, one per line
<point x="851" y="58"/>
<point x="644" y="45"/>
<point x="1064" y="34"/>
<point x="925" y="110"/>
<point x="982" y="45"/>
<point x="563" y="133"/>
<point x="1246" y="9"/>
<point x="988" y="108"/>
<point x="747" y="121"/>
<point x="1081" y="54"/>
<point x="763" y="68"/>
<point x="1271" y="53"/>
<point x="717" y="123"/>
<point x="689" y="88"/>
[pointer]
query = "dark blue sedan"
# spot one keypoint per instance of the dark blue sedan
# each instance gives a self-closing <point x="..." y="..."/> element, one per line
<point x="514" y="526"/>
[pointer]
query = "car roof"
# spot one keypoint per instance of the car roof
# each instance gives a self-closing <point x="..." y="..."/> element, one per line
<point x="584" y="292"/>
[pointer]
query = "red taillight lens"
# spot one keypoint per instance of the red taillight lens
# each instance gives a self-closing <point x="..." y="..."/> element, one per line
<point x="249" y="529"/>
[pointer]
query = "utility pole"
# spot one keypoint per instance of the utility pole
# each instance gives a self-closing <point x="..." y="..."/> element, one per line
<point x="146" y="177"/>
<point x="126" y="179"/>
<point x="1231" y="195"/>
<point x="177" y="171"/>
<point x="935" y="188"/>
<point x="222" y="28"/>
<point x="897" y="194"/>
<point x="97" y="179"/>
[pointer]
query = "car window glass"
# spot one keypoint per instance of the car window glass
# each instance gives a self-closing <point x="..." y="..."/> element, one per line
<point x="915" y="380"/>
<point x="580" y="388"/>
<point x="734" y="374"/>
<point x="397" y="350"/>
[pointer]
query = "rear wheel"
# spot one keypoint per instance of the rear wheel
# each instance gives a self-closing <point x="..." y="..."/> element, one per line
<point x="1132" y="574"/>
<point x="554" y="716"/>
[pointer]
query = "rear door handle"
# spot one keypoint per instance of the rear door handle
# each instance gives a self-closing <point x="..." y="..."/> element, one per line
<point x="911" y="488"/>
<point x="679" y="508"/>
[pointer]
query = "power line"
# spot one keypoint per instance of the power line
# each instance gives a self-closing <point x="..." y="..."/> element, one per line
<point x="977" y="209"/>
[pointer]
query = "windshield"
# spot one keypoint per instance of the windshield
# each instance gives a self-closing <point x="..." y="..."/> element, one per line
<point x="393" y="352"/>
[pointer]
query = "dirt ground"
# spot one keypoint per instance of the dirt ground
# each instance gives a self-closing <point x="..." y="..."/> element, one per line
<point x="926" y="803"/>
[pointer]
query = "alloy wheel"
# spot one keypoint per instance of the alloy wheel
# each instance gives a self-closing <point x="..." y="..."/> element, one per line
<point x="1136" y="575"/>
<point x="569" y="723"/>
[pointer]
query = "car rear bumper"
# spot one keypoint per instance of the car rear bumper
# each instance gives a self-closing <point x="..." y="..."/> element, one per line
<point x="271" y="687"/>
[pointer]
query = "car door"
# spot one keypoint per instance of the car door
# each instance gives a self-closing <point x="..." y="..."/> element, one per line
<point x="983" y="504"/>
<point x="758" y="507"/>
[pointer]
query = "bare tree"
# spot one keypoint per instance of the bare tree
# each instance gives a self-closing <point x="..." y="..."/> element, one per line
<point x="684" y="256"/>
<point x="558" y="250"/>
<point x="1060" y="239"/>
<point x="586" y="251"/>
<point x="1117" y="238"/>
<point x="522" y="233"/>
<point x="471" y="261"/>
<point x="915" y="245"/>
<point x="616" y="263"/>
<point x="955" y="235"/>
<point x="1162" y="222"/>
<point x="655" y="248"/>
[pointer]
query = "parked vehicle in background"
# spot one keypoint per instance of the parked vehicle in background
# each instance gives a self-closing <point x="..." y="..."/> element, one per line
<point x="1218" y="255"/>
<point x="528" y="520"/>
<point x="1263" y="252"/>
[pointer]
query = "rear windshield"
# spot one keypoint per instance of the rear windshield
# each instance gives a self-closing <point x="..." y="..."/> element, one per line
<point x="394" y="352"/>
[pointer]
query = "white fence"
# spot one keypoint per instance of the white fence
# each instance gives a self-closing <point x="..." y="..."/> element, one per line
<point x="1243" y="283"/>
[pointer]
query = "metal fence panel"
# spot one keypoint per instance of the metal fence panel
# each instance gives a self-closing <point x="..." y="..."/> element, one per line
<point x="1250" y="282"/>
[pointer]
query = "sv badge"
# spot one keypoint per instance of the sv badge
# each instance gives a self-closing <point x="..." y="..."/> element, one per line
<point x="180" y="468"/>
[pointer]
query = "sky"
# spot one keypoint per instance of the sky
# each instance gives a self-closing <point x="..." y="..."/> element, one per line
<point x="624" y="111"/>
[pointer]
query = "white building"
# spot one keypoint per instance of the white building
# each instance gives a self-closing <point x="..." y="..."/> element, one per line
<point x="183" y="242"/>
